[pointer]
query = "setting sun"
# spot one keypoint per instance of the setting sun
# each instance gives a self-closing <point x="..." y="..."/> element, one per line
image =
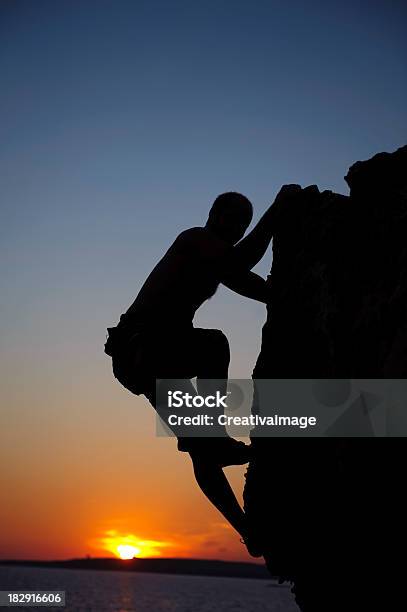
<point x="127" y="552"/>
<point x="128" y="545"/>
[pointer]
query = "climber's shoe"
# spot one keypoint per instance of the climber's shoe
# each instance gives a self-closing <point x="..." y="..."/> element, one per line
<point x="228" y="451"/>
<point x="222" y="451"/>
<point x="186" y="445"/>
<point x="253" y="548"/>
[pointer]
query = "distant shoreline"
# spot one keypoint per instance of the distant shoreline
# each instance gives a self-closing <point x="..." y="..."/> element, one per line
<point x="191" y="567"/>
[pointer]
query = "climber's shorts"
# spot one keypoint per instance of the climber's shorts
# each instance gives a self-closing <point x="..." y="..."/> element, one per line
<point x="180" y="353"/>
<point x="130" y="365"/>
<point x="149" y="355"/>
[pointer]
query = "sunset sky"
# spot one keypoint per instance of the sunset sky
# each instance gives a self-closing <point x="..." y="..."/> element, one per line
<point x="120" y="122"/>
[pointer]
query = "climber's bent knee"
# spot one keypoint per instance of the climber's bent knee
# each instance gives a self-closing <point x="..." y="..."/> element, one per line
<point x="213" y="346"/>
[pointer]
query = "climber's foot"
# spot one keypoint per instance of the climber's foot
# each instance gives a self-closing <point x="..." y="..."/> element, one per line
<point x="253" y="548"/>
<point x="222" y="451"/>
<point x="228" y="451"/>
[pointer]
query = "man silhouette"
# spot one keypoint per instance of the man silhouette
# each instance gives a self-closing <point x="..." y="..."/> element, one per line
<point x="155" y="338"/>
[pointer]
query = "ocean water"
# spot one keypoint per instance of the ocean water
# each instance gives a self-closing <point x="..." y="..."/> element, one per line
<point x="92" y="590"/>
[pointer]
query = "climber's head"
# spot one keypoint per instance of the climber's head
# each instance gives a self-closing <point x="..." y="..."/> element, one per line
<point x="230" y="216"/>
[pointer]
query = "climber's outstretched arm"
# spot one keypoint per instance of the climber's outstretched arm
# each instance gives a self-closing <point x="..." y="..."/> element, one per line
<point x="251" y="249"/>
<point x="247" y="283"/>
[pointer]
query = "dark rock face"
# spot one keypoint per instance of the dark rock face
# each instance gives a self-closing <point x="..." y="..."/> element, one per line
<point x="326" y="508"/>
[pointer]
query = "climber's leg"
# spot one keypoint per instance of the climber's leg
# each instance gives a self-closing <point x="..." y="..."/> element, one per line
<point x="212" y="361"/>
<point x="203" y="353"/>
<point x="212" y="365"/>
<point x="217" y="489"/>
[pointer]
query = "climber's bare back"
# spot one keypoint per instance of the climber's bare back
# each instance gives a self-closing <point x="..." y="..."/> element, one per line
<point x="186" y="276"/>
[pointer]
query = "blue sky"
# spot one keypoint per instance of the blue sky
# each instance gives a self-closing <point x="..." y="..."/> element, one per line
<point x="120" y="123"/>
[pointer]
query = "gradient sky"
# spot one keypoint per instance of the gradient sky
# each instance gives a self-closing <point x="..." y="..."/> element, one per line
<point x="120" y="122"/>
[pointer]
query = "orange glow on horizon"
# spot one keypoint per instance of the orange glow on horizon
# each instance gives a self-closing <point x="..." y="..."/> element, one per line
<point x="128" y="546"/>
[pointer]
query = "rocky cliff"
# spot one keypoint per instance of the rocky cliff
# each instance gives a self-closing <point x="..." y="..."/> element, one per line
<point x="325" y="509"/>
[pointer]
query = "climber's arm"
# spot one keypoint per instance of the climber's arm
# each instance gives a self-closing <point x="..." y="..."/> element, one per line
<point x="248" y="284"/>
<point x="251" y="249"/>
